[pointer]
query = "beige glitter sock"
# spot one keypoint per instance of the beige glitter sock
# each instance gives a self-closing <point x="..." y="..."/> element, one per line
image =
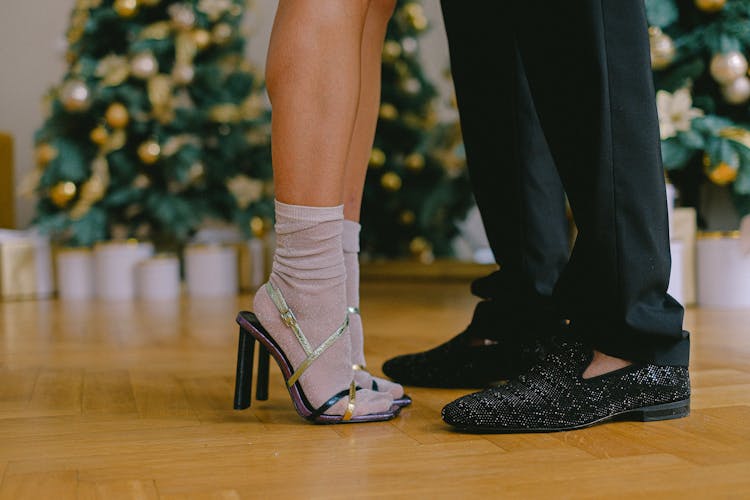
<point x="308" y="269"/>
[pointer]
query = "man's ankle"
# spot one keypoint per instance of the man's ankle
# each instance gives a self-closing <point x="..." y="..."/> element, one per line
<point x="602" y="364"/>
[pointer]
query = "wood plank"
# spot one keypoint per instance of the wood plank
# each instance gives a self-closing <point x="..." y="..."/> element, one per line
<point x="126" y="489"/>
<point x="57" y="392"/>
<point x="16" y="389"/>
<point x="160" y="395"/>
<point x="55" y="484"/>
<point x="108" y="392"/>
<point x="229" y="494"/>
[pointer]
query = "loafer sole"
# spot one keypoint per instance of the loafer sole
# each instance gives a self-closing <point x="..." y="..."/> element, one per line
<point x="664" y="411"/>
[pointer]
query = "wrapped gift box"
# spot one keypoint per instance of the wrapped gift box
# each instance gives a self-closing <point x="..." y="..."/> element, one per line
<point x="684" y="230"/>
<point x="723" y="271"/>
<point x="25" y="265"/>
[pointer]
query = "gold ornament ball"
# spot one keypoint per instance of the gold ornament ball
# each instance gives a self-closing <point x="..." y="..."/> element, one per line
<point x="418" y="245"/>
<point x="662" y="48"/>
<point x="45" y="153"/>
<point x="202" y="38"/>
<point x="407" y="218"/>
<point x="99" y="135"/>
<point x="414" y="162"/>
<point x="149" y="152"/>
<point x="737" y="92"/>
<point x="391" y="50"/>
<point x="388" y="111"/>
<point x="710" y="5"/>
<point x="183" y="74"/>
<point x="258" y="227"/>
<point x="722" y="174"/>
<point x="126" y="8"/>
<point x="391" y="181"/>
<point x="144" y="65"/>
<point x="729" y="66"/>
<point x="221" y="33"/>
<point x="427" y="257"/>
<point x="117" y="115"/>
<point x="62" y="192"/>
<point x="377" y="158"/>
<point x="141" y="181"/>
<point x="415" y="16"/>
<point x="75" y="96"/>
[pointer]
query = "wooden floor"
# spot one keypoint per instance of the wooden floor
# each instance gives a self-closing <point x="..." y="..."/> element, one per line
<point x="134" y="400"/>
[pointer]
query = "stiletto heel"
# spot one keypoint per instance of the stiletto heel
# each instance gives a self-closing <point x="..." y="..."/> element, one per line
<point x="243" y="385"/>
<point x="261" y="391"/>
<point x="250" y="326"/>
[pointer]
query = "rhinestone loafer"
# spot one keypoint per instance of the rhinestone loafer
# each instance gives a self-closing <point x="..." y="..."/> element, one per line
<point x="553" y="396"/>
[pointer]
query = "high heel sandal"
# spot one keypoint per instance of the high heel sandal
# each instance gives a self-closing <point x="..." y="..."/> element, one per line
<point x="251" y="330"/>
<point x="403" y="400"/>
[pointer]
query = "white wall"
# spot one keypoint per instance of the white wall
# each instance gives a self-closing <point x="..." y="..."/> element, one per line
<point x="32" y="45"/>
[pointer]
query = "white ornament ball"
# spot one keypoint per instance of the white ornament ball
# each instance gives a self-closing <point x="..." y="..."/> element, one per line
<point x="412" y="86"/>
<point x="409" y="45"/>
<point x="75" y="96"/>
<point x="737" y="92"/>
<point x="728" y="67"/>
<point x="183" y="73"/>
<point x="182" y="16"/>
<point x="144" y="65"/>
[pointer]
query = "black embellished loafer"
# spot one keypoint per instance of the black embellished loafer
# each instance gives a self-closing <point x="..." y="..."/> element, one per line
<point x="490" y="350"/>
<point x="553" y="396"/>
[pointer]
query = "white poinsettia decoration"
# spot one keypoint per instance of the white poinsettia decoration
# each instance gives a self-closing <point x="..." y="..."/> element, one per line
<point x="676" y="111"/>
<point x="245" y="190"/>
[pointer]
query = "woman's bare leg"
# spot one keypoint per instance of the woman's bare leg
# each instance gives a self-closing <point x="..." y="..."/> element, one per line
<point x="313" y="77"/>
<point x="356" y="169"/>
<point x="378" y="14"/>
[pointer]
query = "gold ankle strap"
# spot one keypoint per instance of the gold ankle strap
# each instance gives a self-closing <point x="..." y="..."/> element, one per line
<point x="349" y="413"/>
<point x="290" y="320"/>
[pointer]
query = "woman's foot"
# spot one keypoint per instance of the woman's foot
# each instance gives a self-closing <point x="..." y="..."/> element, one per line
<point x="365" y="379"/>
<point x="309" y="276"/>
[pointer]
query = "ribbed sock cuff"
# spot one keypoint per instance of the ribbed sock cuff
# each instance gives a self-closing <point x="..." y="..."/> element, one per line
<point x="308" y="214"/>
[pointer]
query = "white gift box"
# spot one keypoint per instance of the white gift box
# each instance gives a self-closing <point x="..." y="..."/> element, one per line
<point x="75" y="273"/>
<point x="723" y="271"/>
<point x="211" y="270"/>
<point x="252" y="264"/>
<point x="25" y="264"/>
<point x="676" y="278"/>
<point x="158" y="278"/>
<point x="671" y="195"/>
<point x="114" y="267"/>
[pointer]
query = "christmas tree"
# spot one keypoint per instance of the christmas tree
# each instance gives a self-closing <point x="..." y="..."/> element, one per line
<point x="417" y="187"/>
<point x="158" y="125"/>
<point x="698" y="52"/>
